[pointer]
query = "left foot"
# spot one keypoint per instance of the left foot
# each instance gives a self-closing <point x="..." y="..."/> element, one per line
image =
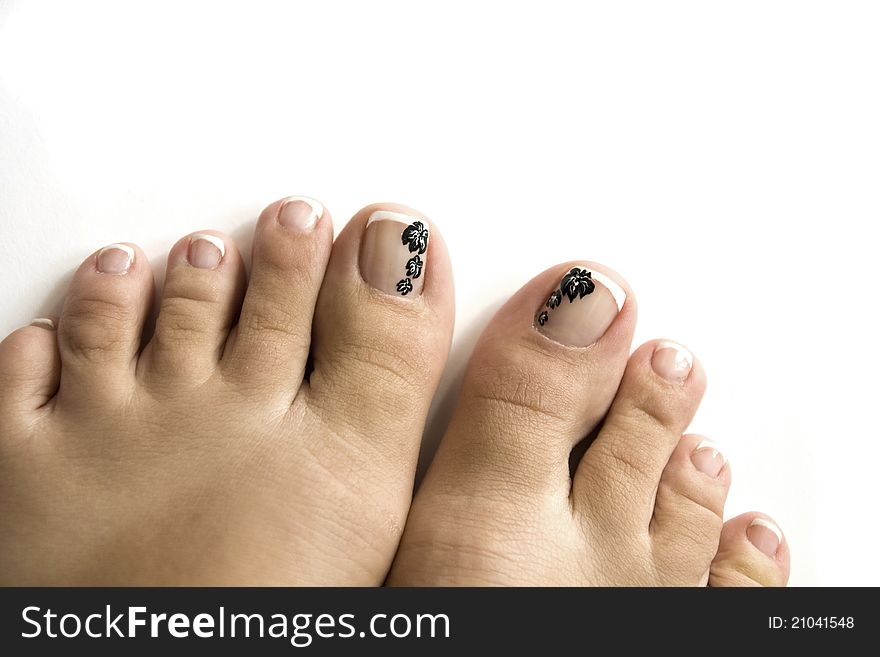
<point x="267" y="433"/>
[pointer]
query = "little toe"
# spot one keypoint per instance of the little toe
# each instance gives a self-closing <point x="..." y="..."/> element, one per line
<point x="383" y="328"/>
<point x="270" y="345"/>
<point x="657" y="399"/>
<point x="688" y="510"/>
<point x="204" y="285"/>
<point x="30" y="366"/>
<point x="99" y="332"/>
<point x="753" y="552"/>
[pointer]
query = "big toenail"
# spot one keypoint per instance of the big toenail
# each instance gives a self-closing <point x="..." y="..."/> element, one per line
<point x="43" y="322"/>
<point x="299" y="213"/>
<point x="115" y="259"/>
<point x="581" y="308"/>
<point x="205" y="251"/>
<point x="707" y="458"/>
<point x="672" y="361"/>
<point x="394" y="253"/>
<point x="765" y="536"/>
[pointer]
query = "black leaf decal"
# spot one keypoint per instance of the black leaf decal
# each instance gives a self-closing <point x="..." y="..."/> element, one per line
<point x="416" y="235"/>
<point x="404" y="286"/>
<point x="414" y="266"/>
<point x="555" y="299"/>
<point x="543" y="317"/>
<point x="577" y="284"/>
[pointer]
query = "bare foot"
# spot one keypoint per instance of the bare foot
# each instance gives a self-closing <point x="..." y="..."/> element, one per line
<point x="500" y="504"/>
<point x="214" y="455"/>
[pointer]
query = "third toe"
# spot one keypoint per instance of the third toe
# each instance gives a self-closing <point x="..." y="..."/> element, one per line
<point x="688" y="509"/>
<point x="204" y="284"/>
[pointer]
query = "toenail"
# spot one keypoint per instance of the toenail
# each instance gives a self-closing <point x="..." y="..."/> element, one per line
<point x="581" y="308"/>
<point x="299" y="212"/>
<point x="765" y="536"/>
<point x="44" y="322"/>
<point x="115" y="259"/>
<point x="708" y="459"/>
<point x="672" y="361"/>
<point x="205" y="251"/>
<point x="394" y="253"/>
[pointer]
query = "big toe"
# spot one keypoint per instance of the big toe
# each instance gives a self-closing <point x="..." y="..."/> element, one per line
<point x="753" y="552"/>
<point x="539" y="381"/>
<point x="382" y="331"/>
<point x="541" y="378"/>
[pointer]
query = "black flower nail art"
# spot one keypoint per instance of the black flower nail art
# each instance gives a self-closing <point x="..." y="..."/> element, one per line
<point x="416" y="235"/>
<point x="414" y="266"/>
<point x="577" y="284"/>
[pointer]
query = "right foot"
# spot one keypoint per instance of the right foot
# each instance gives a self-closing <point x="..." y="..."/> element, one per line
<point x="505" y="503"/>
<point x="218" y="455"/>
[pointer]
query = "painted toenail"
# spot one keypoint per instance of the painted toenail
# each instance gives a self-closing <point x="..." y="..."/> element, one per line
<point x="205" y="251"/>
<point x="765" y="536"/>
<point x="115" y="259"/>
<point x="394" y="253"/>
<point x="44" y="322"/>
<point x="672" y="361"/>
<point x="299" y="213"/>
<point x="581" y="308"/>
<point x="708" y="459"/>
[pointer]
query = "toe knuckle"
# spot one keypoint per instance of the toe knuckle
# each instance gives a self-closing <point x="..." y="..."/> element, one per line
<point x="519" y="390"/>
<point x="181" y="318"/>
<point x="392" y="359"/>
<point x="629" y="460"/>
<point x="91" y="328"/>
<point x="646" y="417"/>
<point x="288" y="260"/>
<point x="275" y="322"/>
<point x="17" y="353"/>
<point x="84" y="311"/>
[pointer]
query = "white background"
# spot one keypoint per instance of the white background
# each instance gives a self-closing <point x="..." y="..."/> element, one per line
<point x="724" y="157"/>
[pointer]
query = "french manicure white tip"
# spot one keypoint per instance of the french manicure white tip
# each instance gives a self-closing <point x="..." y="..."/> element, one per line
<point x="44" y="321"/>
<point x="317" y="208"/>
<point x="708" y="444"/>
<point x="682" y="353"/>
<point x="382" y="215"/>
<point x="125" y="248"/>
<point x="616" y="291"/>
<point x="760" y="522"/>
<point x="213" y="239"/>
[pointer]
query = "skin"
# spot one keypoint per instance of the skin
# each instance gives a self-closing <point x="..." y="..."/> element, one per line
<point x="268" y="434"/>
